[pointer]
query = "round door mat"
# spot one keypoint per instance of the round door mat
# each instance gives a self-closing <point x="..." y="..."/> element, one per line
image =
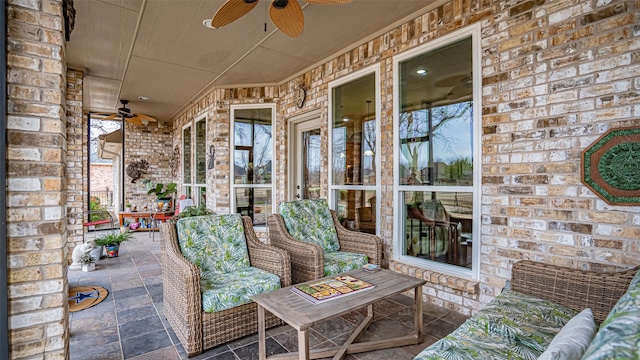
<point x="83" y="297"/>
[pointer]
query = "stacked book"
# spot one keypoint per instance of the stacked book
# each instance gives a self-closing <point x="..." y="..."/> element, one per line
<point x="331" y="288"/>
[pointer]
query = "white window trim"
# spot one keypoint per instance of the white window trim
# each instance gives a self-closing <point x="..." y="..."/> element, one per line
<point x="196" y="186"/>
<point x="182" y="162"/>
<point x="375" y="69"/>
<point x="475" y="32"/>
<point x="232" y="186"/>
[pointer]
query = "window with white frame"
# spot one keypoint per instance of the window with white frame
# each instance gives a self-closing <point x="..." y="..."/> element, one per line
<point x="200" y="145"/>
<point x="354" y="133"/>
<point x="187" y="160"/>
<point x="437" y="163"/>
<point x="194" y="169"/>
<point x="252" y="154"/>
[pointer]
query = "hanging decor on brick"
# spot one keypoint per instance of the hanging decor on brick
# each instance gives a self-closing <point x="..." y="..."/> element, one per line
<point x="611" y="166"/>
<point x="136" y="169"/>
<point x="174" y="162"/>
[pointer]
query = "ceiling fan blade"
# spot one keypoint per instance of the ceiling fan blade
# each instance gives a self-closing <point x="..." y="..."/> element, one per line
<point x="231" y="11"/>
<point x="290" y="19"/>
<point x="134" y="120"/>
<point x="328" y="2"/>
<point x="449" y="81"/>
<point x="459" y="92"/>
<point x="146" y="117"/>
<point x="112" y="117"/>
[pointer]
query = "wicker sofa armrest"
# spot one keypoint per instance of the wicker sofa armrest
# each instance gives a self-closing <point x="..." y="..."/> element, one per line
<point x="577" y="289"/>
<point x="307" y="260"/>
<point x="267" y="257"/>
<point x="358" y="242"/>
<point x="181" y="292"/>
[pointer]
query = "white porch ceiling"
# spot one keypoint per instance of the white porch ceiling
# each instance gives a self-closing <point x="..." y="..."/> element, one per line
<point x="161" y="50"/>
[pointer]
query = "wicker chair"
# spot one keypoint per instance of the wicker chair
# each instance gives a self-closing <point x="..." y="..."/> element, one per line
<point x="307" y="260"/>
<point x="198" y="330"/>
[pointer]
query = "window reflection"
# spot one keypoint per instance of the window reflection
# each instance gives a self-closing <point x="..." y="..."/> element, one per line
<point x="439" y="226"/>
<point x="356" y="209"/>
<point x="252" y="154"/>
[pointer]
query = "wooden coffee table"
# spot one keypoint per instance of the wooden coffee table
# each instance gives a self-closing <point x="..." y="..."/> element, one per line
<point x="301" y="314"/>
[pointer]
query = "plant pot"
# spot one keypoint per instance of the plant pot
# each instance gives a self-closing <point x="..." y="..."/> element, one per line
<point x="112" y="250"/>
<point x="88" y="267"/>
<point x="96" y="253"/>
<point x="164" y="204"/>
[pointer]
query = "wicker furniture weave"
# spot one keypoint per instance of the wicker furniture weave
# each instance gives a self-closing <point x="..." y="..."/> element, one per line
<point x="197" y="330"/>
<point x="522" y="321"/>
<point x="577" y="289"/>
<point x="307" y="260"/>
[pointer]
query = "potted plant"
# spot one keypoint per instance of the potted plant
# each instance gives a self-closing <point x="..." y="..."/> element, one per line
<point x="127" y="207"/>
<point x="88" y="262"/>
<point x="163" y="192"/>
<point x="190" y="211"/>
<point x="112" y="242"/>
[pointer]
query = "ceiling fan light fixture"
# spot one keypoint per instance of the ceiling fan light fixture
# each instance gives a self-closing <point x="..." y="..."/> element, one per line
<point x="421" y="72"/>
<point x="207" y="23"/>
<point x="280" y="4"/>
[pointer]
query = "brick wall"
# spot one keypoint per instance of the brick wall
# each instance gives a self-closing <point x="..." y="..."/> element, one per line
<point x="556" y="75"/>
<point x="154" y="143"/>
<point x="37" y="185"/>
<point x="102" y="177"/>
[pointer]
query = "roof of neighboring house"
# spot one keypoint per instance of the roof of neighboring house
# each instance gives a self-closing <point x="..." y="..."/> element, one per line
<point x="110" y="145"/>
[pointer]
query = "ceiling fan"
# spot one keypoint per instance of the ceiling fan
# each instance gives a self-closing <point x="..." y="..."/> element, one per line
<point x="286" y="14"/>
<point x="461" y="85"/>
<point x="125" y="113"/>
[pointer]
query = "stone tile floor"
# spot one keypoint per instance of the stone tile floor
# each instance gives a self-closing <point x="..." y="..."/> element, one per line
<point x="129" y="323"/>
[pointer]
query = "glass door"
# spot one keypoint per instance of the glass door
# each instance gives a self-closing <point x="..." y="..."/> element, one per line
<point x="306" y="164"/>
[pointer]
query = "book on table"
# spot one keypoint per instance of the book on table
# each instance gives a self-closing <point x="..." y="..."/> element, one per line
<point x="331" y="288"/>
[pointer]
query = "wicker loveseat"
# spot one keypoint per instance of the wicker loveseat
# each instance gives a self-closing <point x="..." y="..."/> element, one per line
<point x="543" y="316"/>
<point x="209" y="303"/>
<point x="317" y="243"/>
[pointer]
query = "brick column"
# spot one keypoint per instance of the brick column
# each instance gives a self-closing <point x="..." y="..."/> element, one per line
<point x="76" y="160"/>
<point x="36" y="185"/>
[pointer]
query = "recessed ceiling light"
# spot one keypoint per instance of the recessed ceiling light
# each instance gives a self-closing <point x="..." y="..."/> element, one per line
<point x="345" y="119"/>
<point x="207" y="23"/>
<point x="421" y="72"/>
<point x="143" y="98"/>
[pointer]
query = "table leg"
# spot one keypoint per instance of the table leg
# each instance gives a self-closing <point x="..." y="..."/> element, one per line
<point x="262" y="341"/>
<point x="303" y="344"/>
<point x="418" y="318"/>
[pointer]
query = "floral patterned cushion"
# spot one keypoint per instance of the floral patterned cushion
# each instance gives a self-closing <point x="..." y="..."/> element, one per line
<point x="310" y="221"/>
<point x="512" y="326"/>
<point x="619" y="334"/>
<point x="528" y="319"/>
<point x="214" y="243"/>
<point x="227" y="290"/>
<point x="338" y="262"/>
<point x="472" y="342"/>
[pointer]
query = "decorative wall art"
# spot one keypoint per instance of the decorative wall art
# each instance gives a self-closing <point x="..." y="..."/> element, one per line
<point x="174" y="162"/>
<point x="136" y="169"/>
<point x="212" y="157"/>
<point x="611" y="166"/>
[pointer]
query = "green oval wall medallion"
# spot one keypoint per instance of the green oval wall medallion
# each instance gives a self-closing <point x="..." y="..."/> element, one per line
<point x="611" y="166"/>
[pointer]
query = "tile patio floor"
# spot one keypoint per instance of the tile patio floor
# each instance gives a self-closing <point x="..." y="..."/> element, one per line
<point x="129" y="323"/>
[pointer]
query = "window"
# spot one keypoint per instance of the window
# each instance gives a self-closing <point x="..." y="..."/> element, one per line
<point x="252" y="150"/>
<point x="200" y="184"/>
<point x="194" y="169"/>
<point x="186" y="161"/>
<point x="437" y="165"/>
<point x="354" y="133"/>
